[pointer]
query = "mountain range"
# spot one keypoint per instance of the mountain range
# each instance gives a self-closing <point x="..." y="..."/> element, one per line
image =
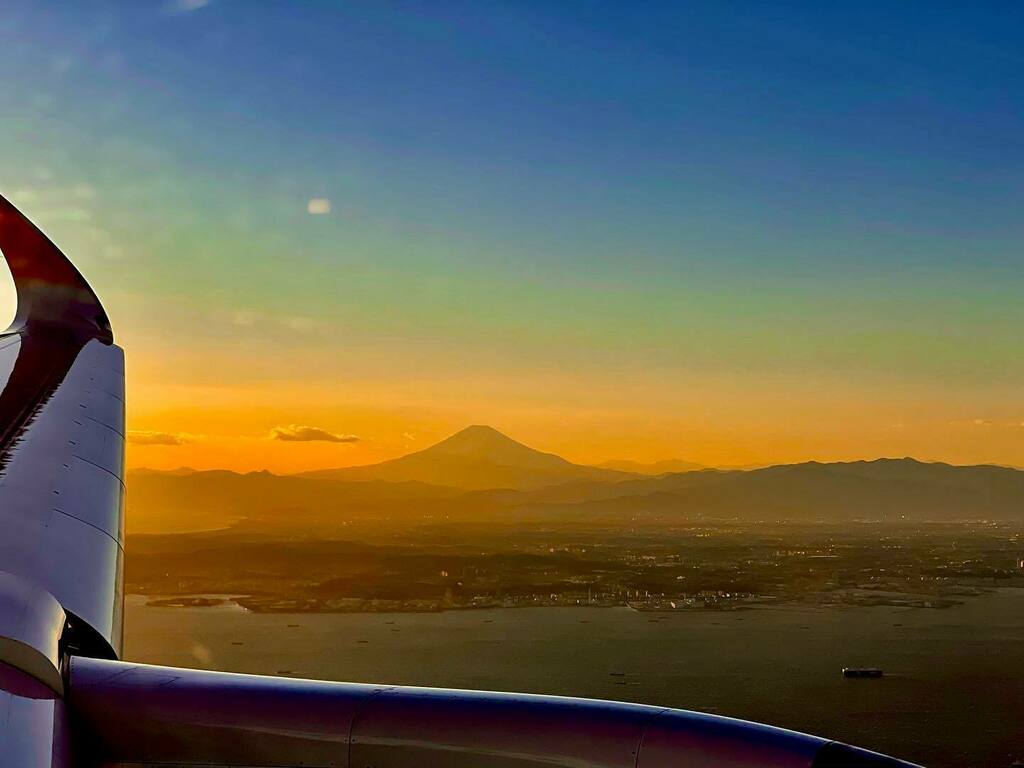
<point x="479" y="474"/>
<point x="476" y="458"/>
<point x="663" y="467"/>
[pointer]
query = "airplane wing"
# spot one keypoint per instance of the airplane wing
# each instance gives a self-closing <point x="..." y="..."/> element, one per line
<point x="65" y="698"/>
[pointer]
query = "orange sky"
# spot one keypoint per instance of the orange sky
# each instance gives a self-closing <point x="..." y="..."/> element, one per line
<point x="587" y="416"/>
<point x="366" y="224"/>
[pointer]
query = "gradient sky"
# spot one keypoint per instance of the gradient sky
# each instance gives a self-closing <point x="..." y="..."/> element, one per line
<point x="726" y="232"/>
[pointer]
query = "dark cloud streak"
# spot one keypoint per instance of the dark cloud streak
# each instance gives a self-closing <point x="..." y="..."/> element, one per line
<point x="295" y="433"/>
<point x="149" y="437"/>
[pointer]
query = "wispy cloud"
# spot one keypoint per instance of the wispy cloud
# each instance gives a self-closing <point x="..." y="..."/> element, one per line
<point x="987" y="423"/>
<point x="318" y="206"/>
<point x="300" y="323"/>
<point x="186" y="6"/>
<point x="83" y="191"/>
<point x="295" y="433"/>
<point x="245" y="317"/>
<point x="149" y="437"/>
<point x="49" y="202"/>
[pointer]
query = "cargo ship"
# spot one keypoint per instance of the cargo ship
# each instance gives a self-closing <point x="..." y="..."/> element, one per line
<point x="861" y="672"/>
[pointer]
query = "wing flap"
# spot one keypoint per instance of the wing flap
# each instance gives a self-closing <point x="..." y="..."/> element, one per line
<point x="61" y="440"/>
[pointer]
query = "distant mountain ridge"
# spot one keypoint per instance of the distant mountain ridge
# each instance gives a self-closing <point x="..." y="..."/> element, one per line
<point x="481" y="475"/>
<point x="882" y="489"/>
<point x="663" y="467"/>
<point x="477" y="458"/>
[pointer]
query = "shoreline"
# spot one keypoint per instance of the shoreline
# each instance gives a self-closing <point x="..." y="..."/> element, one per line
<point x="293" y="606"/>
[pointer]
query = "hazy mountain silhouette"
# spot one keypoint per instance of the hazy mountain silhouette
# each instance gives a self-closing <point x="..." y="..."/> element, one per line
<point x="884" y="489"/>
<point x="478" y="457"/>
<point x="168" y="502"/>
<point x="481" y="475"/>
<point x="663" y="467"/>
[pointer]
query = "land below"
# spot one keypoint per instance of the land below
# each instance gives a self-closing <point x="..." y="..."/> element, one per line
<point x="737" y="591"/>
<point x="382" y="538"/>
<point x="451" y="566"/>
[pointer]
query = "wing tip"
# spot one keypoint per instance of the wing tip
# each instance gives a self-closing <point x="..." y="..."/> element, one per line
<point x="50" y="290"/>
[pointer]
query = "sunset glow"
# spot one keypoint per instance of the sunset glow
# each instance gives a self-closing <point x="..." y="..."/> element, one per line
<point x="395" y="244"/>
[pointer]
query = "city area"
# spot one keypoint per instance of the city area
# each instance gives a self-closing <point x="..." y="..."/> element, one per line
<point x="663" y="568"/>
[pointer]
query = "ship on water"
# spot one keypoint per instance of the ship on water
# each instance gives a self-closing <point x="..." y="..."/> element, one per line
<point x="862" y="672"/>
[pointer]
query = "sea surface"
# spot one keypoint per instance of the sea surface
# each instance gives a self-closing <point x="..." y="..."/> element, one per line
<point x="952" y="695"/>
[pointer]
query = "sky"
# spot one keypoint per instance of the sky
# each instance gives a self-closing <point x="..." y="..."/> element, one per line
<point x="732" y="233"/>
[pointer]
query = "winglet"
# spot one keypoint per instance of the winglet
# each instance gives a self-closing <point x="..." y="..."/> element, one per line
<point x="51" y="292"/>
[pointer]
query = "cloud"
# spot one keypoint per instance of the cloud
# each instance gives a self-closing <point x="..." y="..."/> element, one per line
<point x="186" y="6"/>
<point x="25" y="196"/>
<point x="318" y="206"/>
<point x="149" y="437"/>
<point x="83" y="191"/>
<point x="295" y="433"/>
<point x="300" y="323"/>
<point x="981" y="423"/>
<point x="245" y="317"/>
<point x="66" y="213"/>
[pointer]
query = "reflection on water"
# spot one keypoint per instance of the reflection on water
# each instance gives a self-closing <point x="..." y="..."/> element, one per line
<point x="952" y="694"/>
